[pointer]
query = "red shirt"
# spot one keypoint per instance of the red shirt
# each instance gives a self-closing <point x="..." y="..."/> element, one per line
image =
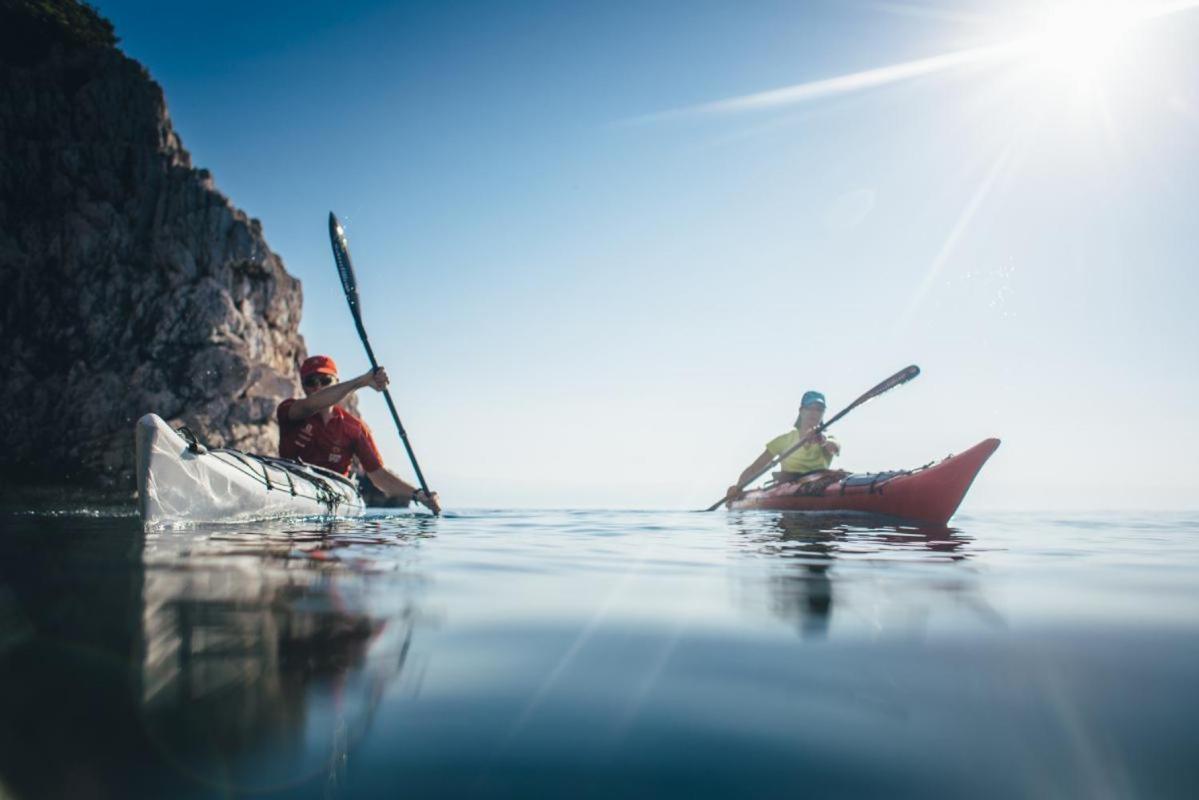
<point x="331" y="444"/>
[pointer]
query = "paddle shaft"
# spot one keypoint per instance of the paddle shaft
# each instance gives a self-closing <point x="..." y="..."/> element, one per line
<point x="391" y="406"/>
<point x="899" y="378"/>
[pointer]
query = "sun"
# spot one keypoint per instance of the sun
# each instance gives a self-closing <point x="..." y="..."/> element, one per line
<point x="1079" y="44"/>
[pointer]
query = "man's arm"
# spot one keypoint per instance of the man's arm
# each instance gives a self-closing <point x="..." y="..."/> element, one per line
<point x="332" y="395"/>
<point x="759" y="464"/>
<point x="391" y="485"/>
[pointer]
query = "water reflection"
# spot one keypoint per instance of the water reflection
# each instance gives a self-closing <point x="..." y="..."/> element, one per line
<point x="266" y="651"/>
<point x="600" y="654"/>
<point x="828" y="536"/>
<point x="811" y="546"/>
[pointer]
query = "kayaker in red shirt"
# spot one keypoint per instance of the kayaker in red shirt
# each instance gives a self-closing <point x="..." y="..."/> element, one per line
<point x="316" y="430"/>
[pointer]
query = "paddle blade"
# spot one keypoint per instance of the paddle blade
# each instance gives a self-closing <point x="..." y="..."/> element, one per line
<point x="341" y="255"/>
<point x="898" y="379"/>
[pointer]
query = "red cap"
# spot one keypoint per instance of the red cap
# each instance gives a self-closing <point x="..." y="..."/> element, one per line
<point x="315" y="365"/>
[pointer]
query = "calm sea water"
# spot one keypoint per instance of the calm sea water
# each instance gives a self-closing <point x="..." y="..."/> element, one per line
<point x="600" y="654"/>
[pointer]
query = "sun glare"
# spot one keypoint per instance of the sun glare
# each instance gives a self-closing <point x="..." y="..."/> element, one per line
<point x="1055" y="67"/>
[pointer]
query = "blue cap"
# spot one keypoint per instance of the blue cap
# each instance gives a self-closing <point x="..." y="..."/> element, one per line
<point x="812" y="398"/>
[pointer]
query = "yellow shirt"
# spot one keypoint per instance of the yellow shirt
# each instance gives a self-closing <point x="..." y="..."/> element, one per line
<point x="807" y="458"/>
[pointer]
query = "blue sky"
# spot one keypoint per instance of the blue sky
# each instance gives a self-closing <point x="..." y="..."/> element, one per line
<point x="597" y="283"/>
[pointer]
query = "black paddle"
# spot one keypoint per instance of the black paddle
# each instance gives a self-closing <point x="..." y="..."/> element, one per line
<point x="341" y="254"/>
<point x="901" y="377"/>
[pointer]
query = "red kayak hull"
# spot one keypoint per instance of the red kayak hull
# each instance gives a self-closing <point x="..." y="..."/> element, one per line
<point x="931" y="494"/>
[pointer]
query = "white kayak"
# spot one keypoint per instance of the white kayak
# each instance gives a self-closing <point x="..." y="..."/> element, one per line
<point x="179" y="481"/>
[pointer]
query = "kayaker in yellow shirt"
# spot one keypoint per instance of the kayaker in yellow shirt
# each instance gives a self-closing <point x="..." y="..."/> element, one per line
<point x="815" y="455"/>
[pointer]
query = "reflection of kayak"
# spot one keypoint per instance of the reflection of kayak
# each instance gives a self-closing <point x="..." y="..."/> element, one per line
<point x="181" y="481"/>
<point x="929" y="494"/>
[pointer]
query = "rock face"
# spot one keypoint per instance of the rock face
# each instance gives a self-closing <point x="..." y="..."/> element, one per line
<point x="129" y="283"/>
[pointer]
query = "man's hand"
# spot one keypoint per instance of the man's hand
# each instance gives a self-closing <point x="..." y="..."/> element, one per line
<point x="376" y="379"/>
<point x="427" y="499"/>
<point x="831" y="448"/>
<point x="391" y="485"/>
<point x="733" y="493"/>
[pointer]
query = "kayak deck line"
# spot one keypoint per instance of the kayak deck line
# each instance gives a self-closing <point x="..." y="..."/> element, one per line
<point x="928" y="494"/>
<point x="180" y="481"/>
<point x="317" y="476"/>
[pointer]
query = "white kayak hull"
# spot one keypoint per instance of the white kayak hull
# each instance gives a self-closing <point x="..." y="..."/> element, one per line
<point x="181" y="484"/>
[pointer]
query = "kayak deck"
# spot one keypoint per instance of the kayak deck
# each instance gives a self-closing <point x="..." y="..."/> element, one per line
<point x="182" y="482"/>
<point x="930" y="494"/>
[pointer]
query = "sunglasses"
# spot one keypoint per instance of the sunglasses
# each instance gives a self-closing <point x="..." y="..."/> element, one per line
<point x="319" y="379"/>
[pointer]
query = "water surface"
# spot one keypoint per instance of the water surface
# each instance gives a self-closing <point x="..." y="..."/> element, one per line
<point x="600" y="654"/>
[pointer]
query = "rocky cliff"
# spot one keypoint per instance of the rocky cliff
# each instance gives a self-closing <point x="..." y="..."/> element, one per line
<point x="128" y="283"/>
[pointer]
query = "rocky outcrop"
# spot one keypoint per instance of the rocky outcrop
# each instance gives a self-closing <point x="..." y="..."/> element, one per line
<point x="130" y="284"/>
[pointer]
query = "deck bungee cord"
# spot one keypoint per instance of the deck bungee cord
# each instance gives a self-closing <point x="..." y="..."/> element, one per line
<point x="244" y="463"/>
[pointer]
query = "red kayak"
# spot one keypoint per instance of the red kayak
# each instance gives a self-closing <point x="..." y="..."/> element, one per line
<point x="928" y="494"/>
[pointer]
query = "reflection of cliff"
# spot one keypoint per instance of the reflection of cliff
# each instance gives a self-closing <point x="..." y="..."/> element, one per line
<point x="280" y="667"/>
<point x="244" y="653"/>
<point x="811" y="547"/>
<point x="131" y="284"/>
<point x="163" y="665"/>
